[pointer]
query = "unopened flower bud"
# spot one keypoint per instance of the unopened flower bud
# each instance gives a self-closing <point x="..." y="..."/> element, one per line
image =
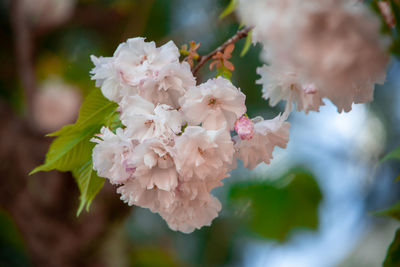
<point x="310" y="88"/>
<point x="244" y="128"/>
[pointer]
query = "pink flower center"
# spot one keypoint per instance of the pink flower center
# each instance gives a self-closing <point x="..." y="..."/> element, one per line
<point x="148" y="123"/>
<point x="128" y="169"/>
<point x="142" y="59"/>
<point x="201" y="151"/>
<point x="212" y="102"/>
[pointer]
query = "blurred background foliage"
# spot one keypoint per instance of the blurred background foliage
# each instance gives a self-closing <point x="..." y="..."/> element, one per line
<point x="311" y="207"/>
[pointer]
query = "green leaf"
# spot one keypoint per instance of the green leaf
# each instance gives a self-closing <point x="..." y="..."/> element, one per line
<point x="224" y="72"/>
<point x="229" y="9"/>
<point x="395" y="154"/>
<point x="393" y="254"/>
<point x="247" y="44"/>
<point x="67" y="152"/>
<point x="393" y="211"/>
<point x="94" y="111"/>
<point x="72" y="147"/>
<point x="273" y="209"/>
<point x="113" y="122"/>
<point x="89" y="184"/>
<point x="65" y="129"/>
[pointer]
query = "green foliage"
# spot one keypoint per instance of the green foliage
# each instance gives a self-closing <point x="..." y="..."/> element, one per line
<point x="247" y="44"/>
<point x="74" y="60"/>
<point x="224" y="72"/>
<point x="89" y="184"/>
<point x="157" y="20"/>
<point x="273" y="209"/>
<point x="393" y="254"/>
<point x="95" y="110"/>
<point x="152" y="256"/>
<point x="229" y="9"/>
<point x="393" y="211"/>
<point x="12" y="249"/>
<point x="72" y="149"/>
<point x="395" y="154"/>
<point x="69" y="151"/>
<point x="218" y="246"/>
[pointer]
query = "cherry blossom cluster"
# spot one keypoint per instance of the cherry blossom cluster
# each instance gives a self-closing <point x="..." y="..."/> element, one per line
<point x="175" y="145"/>
<point x="317" y="49"/>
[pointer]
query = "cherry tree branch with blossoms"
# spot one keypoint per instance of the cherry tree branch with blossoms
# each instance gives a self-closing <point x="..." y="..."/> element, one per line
<point x="169" y="143"/>
<point x="240" y="34"/>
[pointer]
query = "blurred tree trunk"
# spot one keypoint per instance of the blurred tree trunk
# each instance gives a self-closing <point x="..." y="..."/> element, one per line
<point x="44" y="205"/>
<point x="24" y="53"/>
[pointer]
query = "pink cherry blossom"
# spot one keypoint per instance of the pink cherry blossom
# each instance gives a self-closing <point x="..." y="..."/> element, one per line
<point x="280" y="84"/>
<point x="203" y="153"/>
<point x="267" y="135"/>
<point x="213" y="104"/>
<point x="111" y="153"/>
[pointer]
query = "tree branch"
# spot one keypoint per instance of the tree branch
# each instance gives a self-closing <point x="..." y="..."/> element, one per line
<point x="23" y="53"/>
<point x="238" y="35"/>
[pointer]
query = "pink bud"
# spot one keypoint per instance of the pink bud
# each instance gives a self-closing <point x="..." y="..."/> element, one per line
<point x="310" y="88"/>
<point x="244" y="128"/>
<point x="386" y="11"/>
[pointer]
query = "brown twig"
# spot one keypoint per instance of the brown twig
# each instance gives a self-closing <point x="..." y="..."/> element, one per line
<point x="24" y="53"/>
<point x="238" y="35"/>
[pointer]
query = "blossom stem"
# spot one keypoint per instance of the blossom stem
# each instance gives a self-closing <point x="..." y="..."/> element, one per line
<point x="238" y="35"/>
